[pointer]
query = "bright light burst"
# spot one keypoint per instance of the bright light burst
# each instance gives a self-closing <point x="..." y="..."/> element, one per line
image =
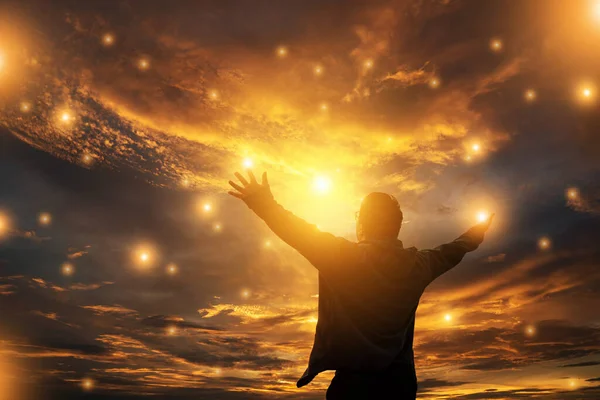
<point x="322" y="184"/>
<point x="368" y="64"/>
<point x="530" y="330"/>
<point x="245" y="293"/>
<point x="318" y="70"/>
<point x="530" y="95"/>
<point x="207" y="207"/>
<point x="448" y="317"/>
<point x="213" y="94"/>
<point x="67" y="269"/>
<point x="496" y="45"/>
<point x="544" y="243"/>
<point x="586" y="93"/>
<point x="44" y="219"/>
<point x="144" y="255"/>
<point x="87" y="159"/>
<point x="476" y="147"/>
<point x="482" y="216"/>
<point x="65" y="117"/>
<point x="248" y="163"/>
<point x="171" y="330"/>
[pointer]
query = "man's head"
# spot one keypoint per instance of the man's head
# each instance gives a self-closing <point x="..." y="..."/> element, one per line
<point x="379" y="217"/>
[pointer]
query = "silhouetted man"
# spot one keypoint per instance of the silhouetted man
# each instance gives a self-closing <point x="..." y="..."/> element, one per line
<point x="368" y="291"/>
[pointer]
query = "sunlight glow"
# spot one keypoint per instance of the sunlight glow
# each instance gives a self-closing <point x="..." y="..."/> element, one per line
<point x="318" y="70"/>
<point x="87" y="384"/>
<point x="144" y="255"/>
<point x="217" y="227"/>
<point x="248" y="163"/>
<point x="172" y="269"/>
<point x="25" y="107"/>
<point x="282" y="51"/>
<point x="171" y="330"/>
<point x="434" y="83"/>
<point x="482" y="216"/>
<point x="530" y="95"/>
<point x="368" y="64"/>
<point x="530" y="330"/>
<point x="322" y="184"/>
<point x="572" y="193"/>
<point x="448" y="317"/>
<point x="143" y="64"/>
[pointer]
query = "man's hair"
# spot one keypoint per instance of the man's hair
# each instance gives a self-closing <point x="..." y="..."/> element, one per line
<point x="380" y="216"/>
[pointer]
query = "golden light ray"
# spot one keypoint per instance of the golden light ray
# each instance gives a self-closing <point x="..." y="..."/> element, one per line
<point x="44" y="218"/>
<point x="67" y="269"/>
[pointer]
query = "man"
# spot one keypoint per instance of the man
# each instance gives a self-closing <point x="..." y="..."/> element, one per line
<point x="368" y="291"/>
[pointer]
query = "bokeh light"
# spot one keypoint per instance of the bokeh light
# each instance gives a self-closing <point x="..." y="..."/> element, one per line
<point x="586" y="93"/>
<point x="544" y="243"/>
<point x="496" y="44"/>
<point x="324" y="107"/>
<point x="268" y="243"/>
<point x="530" y="95"/>
<point x="368" y="64"/>
<point x="171" y="330"/>
<point x="318" y="70"/>
<point x="172" y="269"/>
<point x="282" y="51"/>
<point x="213" y="94"/>
<point x="217" y="227"/>
<point x="67" y="269"/>
<point x="530" y="330"/>
<point x="144" y="255"/>
<point x="44" y="218"/>
<point x="572" y="193"/>
<point x="25" y="107"/>
<point x="108" y="39"/>
<point x="87" y="159"/>
<point x="434" y="82"/>
<point x="143" y="64"/>
<point x="87" y="384"/>
<point x="245" y="293"/>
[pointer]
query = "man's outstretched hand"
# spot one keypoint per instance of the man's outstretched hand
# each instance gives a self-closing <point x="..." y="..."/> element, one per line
<point x="252" y="188"/>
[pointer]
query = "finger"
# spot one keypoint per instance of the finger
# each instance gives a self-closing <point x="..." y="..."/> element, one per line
<point x="252" y="178"/>
<point x="491" y="218"/>
<point x="237" y="187"/>
<point x="235" y="194"/>
<point x="242" y="179"/>
<point x="265" y="181"/>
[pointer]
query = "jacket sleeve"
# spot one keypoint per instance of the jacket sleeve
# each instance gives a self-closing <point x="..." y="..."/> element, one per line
<point x="324" y="250"/>
<point x="445" y="257"/>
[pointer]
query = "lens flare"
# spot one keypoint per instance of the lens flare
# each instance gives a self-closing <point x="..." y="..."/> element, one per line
<point x="144" y="255"/>
<point x="172" y="269"/>
<point x="448" y="317"/>
<point x="25" y="107"/>
<point x="572" y="193"/>
<point x="482" y="216"/>
<point x="143" y="64"/>
<point x="368" y="64"/>
<point x="87" y="384"/>
<point x="248" y="163"/>
<point x="108" y="39"/>
<point x="171" y="330"/>
<point x="530" y="330"/>
<point x="434" y="83"/>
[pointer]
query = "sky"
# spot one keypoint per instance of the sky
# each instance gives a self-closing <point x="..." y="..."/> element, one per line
<point x="127" y="271"/>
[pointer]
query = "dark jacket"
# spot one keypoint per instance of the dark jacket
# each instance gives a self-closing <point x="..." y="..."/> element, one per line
<point x="368" y="291"/>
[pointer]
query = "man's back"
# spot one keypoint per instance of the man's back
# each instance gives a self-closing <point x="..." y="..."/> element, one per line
<point x="368" y="295"/>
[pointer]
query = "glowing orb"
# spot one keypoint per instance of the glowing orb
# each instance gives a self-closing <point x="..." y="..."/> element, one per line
<point x="267" y="243"/>
<point x="368" y="64"/>
<point x="171" y="330"/>
<point x="482" y="216"/>
<point x="544" y="243"/>
<point x="318" y="70"/>
<point x="586" y="93"/>
<point x="143" y="64"/>
<point x="207" y="207"/>
<point x="530" y="95"/>
<point x="572" y="383"/>
<point x="434" y="83"/>
<point x="448" y="317"/>
<point x="245" y="293"/>
<point x="247" y="163"/>
<point x="572" y="193"/>
<point x="282" y="51"/>
<point x="324" y="107"/>
<point x="496" y="45"/>
<point x="322" y="184"/>
<point x="214" y="94"/>
<point x="87" y="384"/>
<point x="66" y="117"/>
<point x="468" y="157"/>
<point x="217" y="227"/>
<point x="67" y="269"/>
<point x="108" y="39"/>
<point x="530" y="330"/>
<point x="25" y="107"/>
<point x="144" y="255"/>
<point x="44" y="219"/>
<point x="172" y="269"/>
<point x="1" y="62"/>
<point x="476" y="147"/>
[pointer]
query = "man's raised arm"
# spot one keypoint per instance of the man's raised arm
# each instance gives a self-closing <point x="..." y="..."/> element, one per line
<point x="444" y="257"/>
<point x="322" y="249"/>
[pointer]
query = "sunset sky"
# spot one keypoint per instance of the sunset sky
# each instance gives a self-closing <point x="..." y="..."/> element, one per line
<point x="126" y="270"/>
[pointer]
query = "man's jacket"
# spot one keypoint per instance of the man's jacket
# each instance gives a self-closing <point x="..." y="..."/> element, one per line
<point x="368" y="291"/>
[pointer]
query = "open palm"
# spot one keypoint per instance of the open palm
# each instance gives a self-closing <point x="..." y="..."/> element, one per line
<point x="251" y="187"/>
